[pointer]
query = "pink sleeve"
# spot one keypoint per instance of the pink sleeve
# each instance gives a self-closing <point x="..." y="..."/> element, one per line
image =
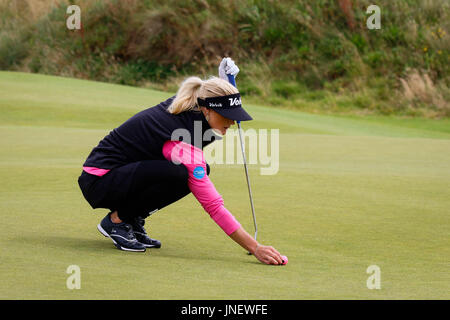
<point x="200" y="184"/>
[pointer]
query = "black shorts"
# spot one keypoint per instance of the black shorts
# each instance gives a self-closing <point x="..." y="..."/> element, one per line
<point x="137" y="188"/>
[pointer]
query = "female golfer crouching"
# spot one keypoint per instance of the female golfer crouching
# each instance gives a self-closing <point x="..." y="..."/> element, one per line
<point x="138" y="168"/>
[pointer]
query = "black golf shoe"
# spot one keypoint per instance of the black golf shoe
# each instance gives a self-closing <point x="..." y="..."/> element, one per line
<point x="141" y="235"/>
<point x="121" y="235"/>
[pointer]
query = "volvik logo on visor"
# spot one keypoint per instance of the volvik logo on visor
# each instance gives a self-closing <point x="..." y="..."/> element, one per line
<point x="235" y="101"/>
<point x="230" y="101"/>
<point x="229" y="106"/>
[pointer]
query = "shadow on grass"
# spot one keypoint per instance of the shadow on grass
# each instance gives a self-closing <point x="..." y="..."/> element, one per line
<point x="105" y="246"/>
<point x="53" y="242"/>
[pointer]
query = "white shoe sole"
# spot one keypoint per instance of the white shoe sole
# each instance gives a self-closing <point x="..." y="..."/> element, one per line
<point x="103" y="232"/>
<point x="151" y="246"/>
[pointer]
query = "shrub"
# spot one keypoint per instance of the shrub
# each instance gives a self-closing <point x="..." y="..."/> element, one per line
<point x="290" y="47"/>
<point x="287" y="89"/>
<point x="12" y="52"/>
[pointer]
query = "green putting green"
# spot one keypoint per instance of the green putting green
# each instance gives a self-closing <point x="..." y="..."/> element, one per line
<point x="350" y="193"/>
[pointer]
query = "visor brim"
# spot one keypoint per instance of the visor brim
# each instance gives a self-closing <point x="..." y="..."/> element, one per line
<point x="237" y="114"/>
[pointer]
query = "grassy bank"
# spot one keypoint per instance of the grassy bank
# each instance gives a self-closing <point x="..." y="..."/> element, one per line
<point x="313" y="56"/>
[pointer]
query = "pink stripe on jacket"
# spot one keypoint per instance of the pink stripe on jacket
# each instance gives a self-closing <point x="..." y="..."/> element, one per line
<point x="96" y="171"/>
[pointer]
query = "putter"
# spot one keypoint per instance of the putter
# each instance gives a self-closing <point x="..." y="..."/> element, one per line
<point x="233" y="82"/>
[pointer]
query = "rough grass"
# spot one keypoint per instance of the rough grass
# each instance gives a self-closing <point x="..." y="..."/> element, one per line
<point x="289" y="51"/>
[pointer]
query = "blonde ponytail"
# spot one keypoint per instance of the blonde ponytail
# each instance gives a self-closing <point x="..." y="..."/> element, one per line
<point x="187" y="95"/>
<point x="194" y="87"/>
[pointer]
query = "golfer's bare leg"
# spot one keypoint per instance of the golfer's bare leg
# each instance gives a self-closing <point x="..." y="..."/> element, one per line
<point x="115" y="217"/>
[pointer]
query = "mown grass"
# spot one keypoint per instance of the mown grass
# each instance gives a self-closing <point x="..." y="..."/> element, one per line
<point x="350" y="192"/>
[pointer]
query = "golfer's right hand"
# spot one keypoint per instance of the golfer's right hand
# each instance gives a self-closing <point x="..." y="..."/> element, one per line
<point x="268" y="255"/>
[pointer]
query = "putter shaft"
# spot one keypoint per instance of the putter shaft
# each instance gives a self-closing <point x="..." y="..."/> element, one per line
<point x="248" y="180"/>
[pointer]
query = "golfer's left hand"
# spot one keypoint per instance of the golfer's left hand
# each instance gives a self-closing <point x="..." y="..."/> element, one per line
<point x="268" y="255"/>
<point x="227" y="66"/>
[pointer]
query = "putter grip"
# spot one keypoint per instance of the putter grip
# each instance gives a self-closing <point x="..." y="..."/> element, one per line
<point x="231" y="79"/>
